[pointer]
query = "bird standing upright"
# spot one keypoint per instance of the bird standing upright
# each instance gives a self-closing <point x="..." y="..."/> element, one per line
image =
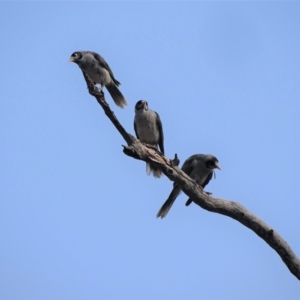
<point x="200" y="168"/>
<point x="98" y="71"/>
<point x="148" y="129"/>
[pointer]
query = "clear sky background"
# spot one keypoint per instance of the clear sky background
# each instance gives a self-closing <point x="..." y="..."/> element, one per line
<point x="78" y="217"/>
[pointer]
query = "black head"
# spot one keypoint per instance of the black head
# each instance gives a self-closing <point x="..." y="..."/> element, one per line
<point x="211" y="162"/>
<point x="141" y="106"/>
<point x="75" y="57"/>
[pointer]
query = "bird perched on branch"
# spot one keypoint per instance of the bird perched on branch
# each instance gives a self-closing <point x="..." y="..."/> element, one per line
<point x="148" y="129"/>
<point x="200" y="167"/>
<point x="98" y="71"/>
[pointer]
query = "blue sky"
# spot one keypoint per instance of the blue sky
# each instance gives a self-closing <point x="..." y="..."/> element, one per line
<point x="77" y="218"/>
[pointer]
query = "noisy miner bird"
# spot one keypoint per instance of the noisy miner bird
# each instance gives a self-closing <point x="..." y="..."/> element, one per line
<point x="200" y="167"/>
<point x="148" y="129"/>
<point x="98" y="71"/>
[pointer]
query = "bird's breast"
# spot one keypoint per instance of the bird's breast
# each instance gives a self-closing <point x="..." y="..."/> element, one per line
<point x="146" y="127"/>
<point x="199" y="173"/>
<point x="95" y="72"/>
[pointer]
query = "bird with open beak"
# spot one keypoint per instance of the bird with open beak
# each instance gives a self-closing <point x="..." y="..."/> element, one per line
<point x="148" y="129"/>
<point x="200" y="167"/>
<point x="98" y="71"/>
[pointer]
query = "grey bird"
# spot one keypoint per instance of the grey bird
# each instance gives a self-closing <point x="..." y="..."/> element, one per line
<point x="98" y="71"/>
<point x="200" y="167"/>
<point x="148" y="129"/>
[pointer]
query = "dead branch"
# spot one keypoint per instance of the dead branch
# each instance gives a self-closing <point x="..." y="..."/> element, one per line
<point x="234" y="210"/>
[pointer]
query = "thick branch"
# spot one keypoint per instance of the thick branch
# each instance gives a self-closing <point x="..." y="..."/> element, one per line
<point x="234" y="210"/>
<point x="231" y="209"/>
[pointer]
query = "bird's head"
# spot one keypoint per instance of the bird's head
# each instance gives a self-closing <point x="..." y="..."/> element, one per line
<point x="141" y="105"/>
<point x="211" y="162"/>
<point x="75" y="57"/>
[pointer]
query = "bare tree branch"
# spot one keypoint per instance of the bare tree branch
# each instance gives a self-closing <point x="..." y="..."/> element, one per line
<point x="99" y="95"/>
<point x="234" y="210"/>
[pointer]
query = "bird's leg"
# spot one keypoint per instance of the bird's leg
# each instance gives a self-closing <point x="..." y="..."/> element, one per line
<point x="201" y="188"/>
<point x="101" y="87"/>
<point x="95" y="86"/>
<point x="94" y="90"/>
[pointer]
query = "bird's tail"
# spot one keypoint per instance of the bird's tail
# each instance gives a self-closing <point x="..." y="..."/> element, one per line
<point x="157" y="173"/>
<point x="169" y="202"/>
<point x="116" y="95"/>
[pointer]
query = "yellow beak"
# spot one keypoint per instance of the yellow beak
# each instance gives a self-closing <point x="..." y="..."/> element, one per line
<point x="217" y="166"/>
<point x="71" y="59"/>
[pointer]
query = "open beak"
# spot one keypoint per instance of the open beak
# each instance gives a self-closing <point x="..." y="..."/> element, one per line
<point x="217" y="166"/>
<point x="71" y="59"/>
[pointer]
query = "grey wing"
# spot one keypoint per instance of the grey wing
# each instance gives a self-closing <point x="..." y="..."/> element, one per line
<point x="188" y="166"/>
<point x="135" y="129"/>
<point x="105" y="65"/>
<point x="161" y="133"/>
<point x="207" y="180"/>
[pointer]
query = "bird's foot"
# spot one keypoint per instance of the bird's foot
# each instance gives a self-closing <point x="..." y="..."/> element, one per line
<point x="94" y="90"/>
<point x="200" y="187"/>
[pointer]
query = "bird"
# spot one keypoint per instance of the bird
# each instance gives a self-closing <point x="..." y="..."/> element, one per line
<point x="148" y="129"/>
<point x="200" y="167"/>
<point x="98" y="71"/>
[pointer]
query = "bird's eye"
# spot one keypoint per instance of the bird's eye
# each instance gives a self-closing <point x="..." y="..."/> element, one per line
<point x="75" y="54"/>
<point x="210" y="164"/>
